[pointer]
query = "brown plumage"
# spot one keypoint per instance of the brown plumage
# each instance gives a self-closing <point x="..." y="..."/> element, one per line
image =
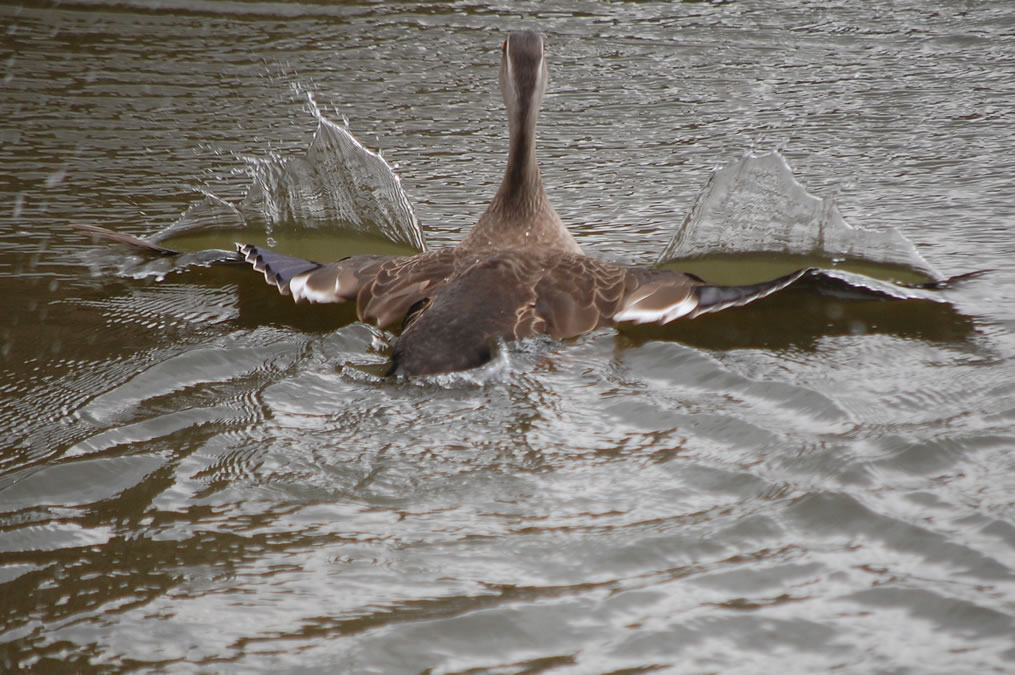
<point x="456" y="305"/>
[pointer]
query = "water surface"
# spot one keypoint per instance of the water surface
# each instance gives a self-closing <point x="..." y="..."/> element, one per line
<point x="196" y="475"/>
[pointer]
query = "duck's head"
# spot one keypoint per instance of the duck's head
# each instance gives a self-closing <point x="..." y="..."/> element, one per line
<point x="523" y="78"/>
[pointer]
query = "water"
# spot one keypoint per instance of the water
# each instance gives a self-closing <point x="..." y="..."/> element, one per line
<point x="197" y="475"/>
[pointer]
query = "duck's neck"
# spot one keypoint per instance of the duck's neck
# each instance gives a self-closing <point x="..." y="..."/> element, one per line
<point x="520" y="215"/>
<point x="521" y="196"/>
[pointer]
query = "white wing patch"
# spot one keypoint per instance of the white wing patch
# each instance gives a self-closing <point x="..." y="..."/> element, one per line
<point x="312" y="282"/>
<point x="635" y="313"/>
<point x="302" y="290"/>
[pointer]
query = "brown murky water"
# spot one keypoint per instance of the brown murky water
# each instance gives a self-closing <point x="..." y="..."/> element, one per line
<point x="192" y="480"/>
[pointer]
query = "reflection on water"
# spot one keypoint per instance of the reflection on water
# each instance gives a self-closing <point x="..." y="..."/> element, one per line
<point x="800" y="319"/>
<point x="197" y="474"/>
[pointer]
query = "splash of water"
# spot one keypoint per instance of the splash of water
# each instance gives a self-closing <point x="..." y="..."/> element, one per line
<point x="757" y="205"/>
<point x="337" y="184"/>
<point x="338" y="180"/>
<point x="208" y="214"/>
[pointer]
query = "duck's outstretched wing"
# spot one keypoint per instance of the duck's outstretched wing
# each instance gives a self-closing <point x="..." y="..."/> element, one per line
<point x="662" y="296"/>
<point x="384" y="287"/>
<point x="310" y="281"/>
<point x="577" y="294"/>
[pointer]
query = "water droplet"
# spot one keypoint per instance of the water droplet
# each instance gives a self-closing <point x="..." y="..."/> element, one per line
<point x="56" y="177"/>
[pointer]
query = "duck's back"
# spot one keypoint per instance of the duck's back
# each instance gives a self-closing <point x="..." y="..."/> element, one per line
<point x="513" y="295"/>
<point x="454" y="328"/>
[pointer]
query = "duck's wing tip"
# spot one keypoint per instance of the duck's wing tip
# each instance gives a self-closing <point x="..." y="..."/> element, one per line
<point x="942" y="284"/>
<point x="715" y="298"/>
<point x="661" y="297"/>
<point x="310" y="281"/>
<point x="286" y="273"/>
<point x="121" y="238"/>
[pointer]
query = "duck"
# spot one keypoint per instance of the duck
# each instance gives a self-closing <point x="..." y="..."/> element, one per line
<point x="519" y="273"/>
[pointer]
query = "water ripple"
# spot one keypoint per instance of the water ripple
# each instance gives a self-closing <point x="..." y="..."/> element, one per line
<point x="198" y="475"/>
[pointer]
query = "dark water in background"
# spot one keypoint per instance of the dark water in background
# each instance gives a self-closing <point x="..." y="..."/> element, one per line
<point x="190" y="482"/>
